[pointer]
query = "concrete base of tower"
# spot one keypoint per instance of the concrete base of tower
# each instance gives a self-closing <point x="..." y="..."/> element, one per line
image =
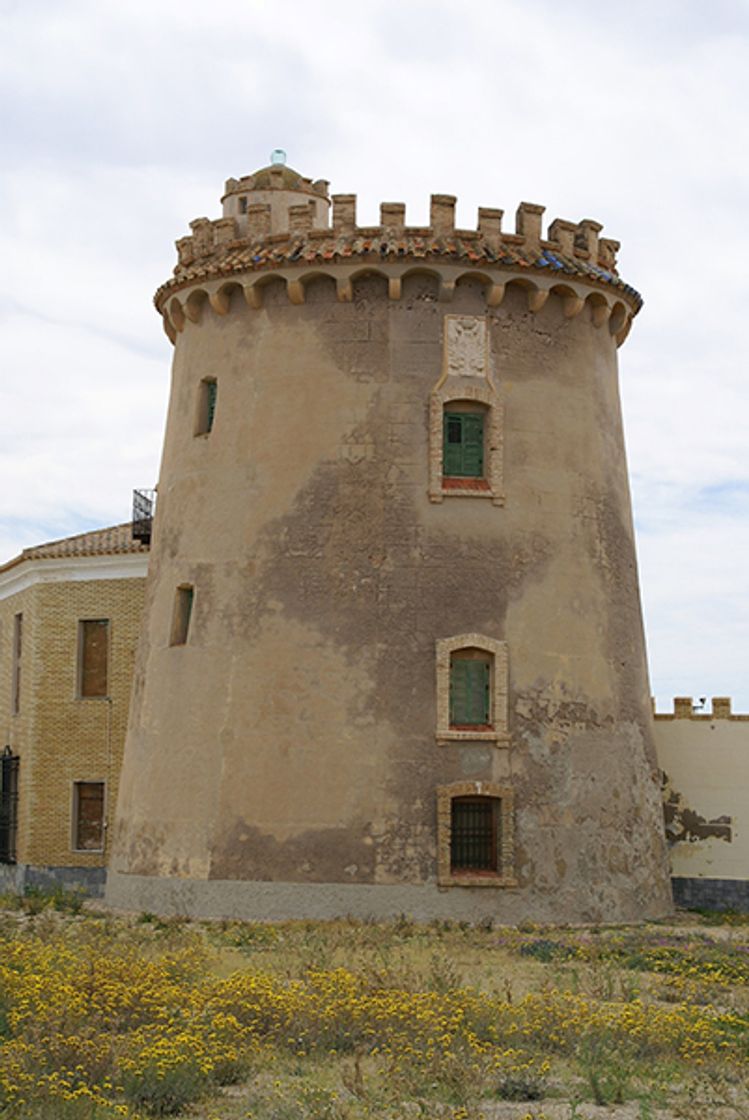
<point x="270" y="901"/>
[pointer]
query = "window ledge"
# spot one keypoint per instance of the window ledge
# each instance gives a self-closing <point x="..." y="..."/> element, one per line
<point x="476" y="879"/>
<point x="456" y="482"/>
<point x="472" y="735"/>
<point x="462" y="488"/>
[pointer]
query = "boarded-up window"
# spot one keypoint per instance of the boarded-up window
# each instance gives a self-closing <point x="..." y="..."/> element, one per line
<point x="181" y="617"/>
<point x="463" y="446"/>
<point x="207" y="396"/>
<point x="93" y="657"/>
<point x="15" y="701"/>
<point x="88" y="816"/>
<point x="474" y="834"/>
<point x="470" y="691"/>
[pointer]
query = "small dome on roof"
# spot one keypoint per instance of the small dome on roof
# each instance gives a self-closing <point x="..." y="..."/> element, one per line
<point x="278" y="176"/>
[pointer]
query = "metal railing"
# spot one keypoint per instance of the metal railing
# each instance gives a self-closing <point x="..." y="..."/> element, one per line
<point x="144" y="502"/>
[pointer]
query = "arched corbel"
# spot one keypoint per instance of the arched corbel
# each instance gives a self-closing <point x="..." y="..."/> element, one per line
<point x="447" y="290"/>
<point x="537" y="297"/>
<point x="344" y="289"/>
<point x="169" y="329"/>
<point x="572" y="306"/>
<point x="622" y="334"/>
<point x="193" y="307"/>
<point x="295" y="291"/>
<point x="495" y="295"/>
<point x="394" y="287"/>
<point x="600" y="313"/>
<point x="253" y="296"/>
<point x="219" y="301"/>
<point x="176" y="315"/>
<point x="618" y="318"/>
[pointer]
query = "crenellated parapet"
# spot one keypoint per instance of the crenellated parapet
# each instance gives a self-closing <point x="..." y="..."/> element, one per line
<point x="686" y="708"/>
<point x="277" y="221"/>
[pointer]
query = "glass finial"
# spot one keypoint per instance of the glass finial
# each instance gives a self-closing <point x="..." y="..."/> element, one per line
<point x="278" y="155"/>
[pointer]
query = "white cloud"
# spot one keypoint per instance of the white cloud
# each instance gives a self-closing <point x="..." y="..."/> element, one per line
<point x="122" y="121"/>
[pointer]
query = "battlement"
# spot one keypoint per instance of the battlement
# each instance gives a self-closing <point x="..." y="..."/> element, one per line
<point x="278" y="220"/>
<point x="250" y="220"/>
<point x="686" y="708"/>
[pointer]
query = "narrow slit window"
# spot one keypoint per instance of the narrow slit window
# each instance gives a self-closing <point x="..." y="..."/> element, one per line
<point x="182" y="612"/>
<point x="16" y="674"/>
<point x="207" y="396"/>
<point x="88" y="816"/>
<point x="93" y="658"/>
<point x="474" y="834"/>
<point x="463" y="445"/>
<point x="470" y="691"/>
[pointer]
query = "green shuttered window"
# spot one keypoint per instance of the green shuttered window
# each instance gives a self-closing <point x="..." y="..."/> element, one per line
<point x="463" y="445"/>
<point x="469" y="692"/>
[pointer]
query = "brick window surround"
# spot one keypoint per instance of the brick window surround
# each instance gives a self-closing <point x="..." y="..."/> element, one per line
<point x="496" y="653"/>
<point x="466" y="385"/>
<point x="470" y="398"/>
<point x="504" y="876"/>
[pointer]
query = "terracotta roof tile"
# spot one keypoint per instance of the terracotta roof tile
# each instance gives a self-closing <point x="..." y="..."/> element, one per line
<point x="248" y="257"/>
<point x="115" y="540"/>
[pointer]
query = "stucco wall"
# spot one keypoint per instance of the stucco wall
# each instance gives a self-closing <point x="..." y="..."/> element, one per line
<point x="705" y="761"/>
<point x="293" y="738"/>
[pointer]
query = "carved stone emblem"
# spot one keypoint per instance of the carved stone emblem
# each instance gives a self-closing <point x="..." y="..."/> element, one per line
<point x="465" y="342"/>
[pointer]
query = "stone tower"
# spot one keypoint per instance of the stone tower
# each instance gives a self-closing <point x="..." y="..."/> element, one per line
<point x="392" y="657"/>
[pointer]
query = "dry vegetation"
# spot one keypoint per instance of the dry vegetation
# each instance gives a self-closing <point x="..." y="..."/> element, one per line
<point x="103" y="1017"/>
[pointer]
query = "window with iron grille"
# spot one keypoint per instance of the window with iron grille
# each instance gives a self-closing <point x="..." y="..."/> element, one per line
<point x="88" y="816"/>
<point x="207" y="396"/>
<point x="9" y="764"/>
<point x="93" y="657"/>
<point x="474" y="834"/>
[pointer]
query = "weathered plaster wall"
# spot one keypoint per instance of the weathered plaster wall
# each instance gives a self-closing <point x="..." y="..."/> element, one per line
<point x="705" y="762"/>
<point x="293" y="738"/>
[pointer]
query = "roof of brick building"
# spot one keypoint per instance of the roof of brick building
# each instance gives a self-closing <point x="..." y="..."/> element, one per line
<point x="113" y="541"/>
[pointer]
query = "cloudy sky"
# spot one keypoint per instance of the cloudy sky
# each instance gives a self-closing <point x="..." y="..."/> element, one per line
<point x="120" y="123"/>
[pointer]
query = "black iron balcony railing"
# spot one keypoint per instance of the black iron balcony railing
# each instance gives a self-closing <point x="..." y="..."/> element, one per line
<point x="144" y="502"/>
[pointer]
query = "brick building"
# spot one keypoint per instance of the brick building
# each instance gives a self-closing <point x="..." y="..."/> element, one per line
<point x="70" y="612"/>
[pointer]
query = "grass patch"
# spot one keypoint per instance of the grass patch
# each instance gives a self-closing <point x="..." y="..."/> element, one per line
<point x="103" y="1017"/>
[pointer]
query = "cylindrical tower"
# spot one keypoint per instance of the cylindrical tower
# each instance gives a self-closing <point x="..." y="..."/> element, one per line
<point x="392" y="658"/>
